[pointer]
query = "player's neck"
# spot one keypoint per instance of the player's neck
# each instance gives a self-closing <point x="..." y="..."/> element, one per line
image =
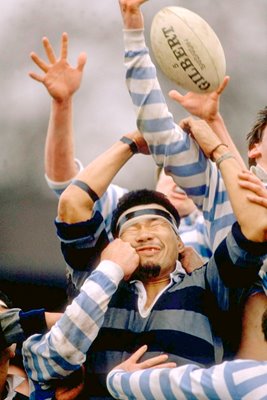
<point x="153" y="288"/>
<point x="252" y="350"/>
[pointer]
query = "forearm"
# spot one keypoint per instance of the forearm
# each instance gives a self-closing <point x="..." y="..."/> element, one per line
<point x="188" y="381"/>
<point x="251" y="217"/>
<point x="60" y="164"/>
<point x="70" y="339"/>
<point x="75" y="205"/>
<point x="165" y="383"/>
<point x="218" y="126"/>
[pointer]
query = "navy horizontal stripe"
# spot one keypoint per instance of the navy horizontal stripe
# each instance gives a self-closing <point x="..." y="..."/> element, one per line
<point x="232" y="274"/>
<point x="80" y="229"/>
<point x="172" y="342"/>
<point x="190" y="298"/>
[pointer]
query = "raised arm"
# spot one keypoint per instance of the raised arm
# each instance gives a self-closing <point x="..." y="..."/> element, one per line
<point x="258" y="191"/>
<point x="169" y="145"/>
<point x="252" y="217"/>
<point x="76" y="203"/>
<point x="206" y="106"/>
<point x="61" y="81"/>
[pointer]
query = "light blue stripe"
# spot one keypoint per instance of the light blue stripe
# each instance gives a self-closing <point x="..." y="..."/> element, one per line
<point x="207" y="384"/>
<point x="141" y="73"/>
<point x="165" y="384"/>
<point x="155" y="97"/>
<point x="111" y="386"/>
<point x="132" y="53"/>
<point x="155" y="125"/>
<point x="253" y="383"/>
<point x="185" y="383"/>
<point x="144" y="385"/>
<point x="125" y="385"/>
<point x="74" y="335"/>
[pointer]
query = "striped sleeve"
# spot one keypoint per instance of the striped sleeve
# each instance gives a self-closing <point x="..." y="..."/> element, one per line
<point x="231" y="380"/>
<point x="193" y="232"/>
<point x="63" y="349"/>
<point x="169" y="145"/>
<point x="107" y="203"/>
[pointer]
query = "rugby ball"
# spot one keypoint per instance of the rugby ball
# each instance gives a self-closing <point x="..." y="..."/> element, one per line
<point x="187" y="50"/>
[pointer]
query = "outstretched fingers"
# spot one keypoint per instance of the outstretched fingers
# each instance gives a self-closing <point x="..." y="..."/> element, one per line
<point x="81" y="61"/>
<point x="49" y="50"/>
<point x="36" y="77"/>
<point x="154" y="362"/>
<point x="157" y="362"/>
<point x="38" y="61"/>
<point x="64" y="46"/>
<point x="138" y="354"/>
<point x="223" y="85"/>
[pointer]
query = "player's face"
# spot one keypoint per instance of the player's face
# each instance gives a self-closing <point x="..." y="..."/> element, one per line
<point x="259" y="151"/>
<point x="179" y="199"/>
<point x="263" y="149"/>
<point x="155" y="242"/>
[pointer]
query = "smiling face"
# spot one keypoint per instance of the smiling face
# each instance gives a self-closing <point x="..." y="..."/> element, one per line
<point x="179" y="199"/>
<point x="155" y="241"/>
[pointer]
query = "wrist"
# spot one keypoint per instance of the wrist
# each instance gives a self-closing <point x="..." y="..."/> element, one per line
<point x="62" y="103"/>
<point x="131" y="143"/>
<point x="214" y="119"/>
<point x="218" y="151"/>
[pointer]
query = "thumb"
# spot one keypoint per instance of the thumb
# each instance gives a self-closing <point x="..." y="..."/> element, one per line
<point x="81" y="61"/>
<point x="223" y="85"/>
<point x="175" y="95"/>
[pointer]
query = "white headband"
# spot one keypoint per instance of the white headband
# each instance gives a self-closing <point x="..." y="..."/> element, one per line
<point x="139" y="213"/>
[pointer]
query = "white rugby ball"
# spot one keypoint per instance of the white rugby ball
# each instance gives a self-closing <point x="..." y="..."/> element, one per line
<point x="187" y="49"/>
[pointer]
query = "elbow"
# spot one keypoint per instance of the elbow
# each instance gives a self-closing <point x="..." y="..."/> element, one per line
<point x="67" y="208"/>
<point x="74" y="207"/>
<point x="256" y="232"/>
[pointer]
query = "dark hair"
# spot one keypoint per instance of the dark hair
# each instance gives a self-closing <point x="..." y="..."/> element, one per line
<point x="264" y="324"/>
<point x="142" y="197"/>
<point x="5" y="299"/>
<point x="256" y="132"/>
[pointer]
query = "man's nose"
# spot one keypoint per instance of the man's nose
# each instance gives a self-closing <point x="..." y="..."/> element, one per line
<point x="143" y="234"/>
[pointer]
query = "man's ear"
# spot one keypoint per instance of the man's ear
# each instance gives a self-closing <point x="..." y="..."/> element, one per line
<point x="254" y="151"/>
<point x="180" y="244"/>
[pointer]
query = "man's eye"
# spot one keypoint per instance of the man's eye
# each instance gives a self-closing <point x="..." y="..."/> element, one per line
<point x="156" y="222"/>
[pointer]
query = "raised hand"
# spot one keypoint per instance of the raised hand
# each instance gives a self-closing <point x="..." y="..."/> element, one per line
<point x="131" y="14"/>
<point x="202" y="105"/>
<point x="131" y="364"/>
<point x="202" y="133"/>
<point x="60" y="78"/>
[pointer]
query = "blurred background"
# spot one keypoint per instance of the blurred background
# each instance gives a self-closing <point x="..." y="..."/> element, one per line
<point x="32" y="270"/>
